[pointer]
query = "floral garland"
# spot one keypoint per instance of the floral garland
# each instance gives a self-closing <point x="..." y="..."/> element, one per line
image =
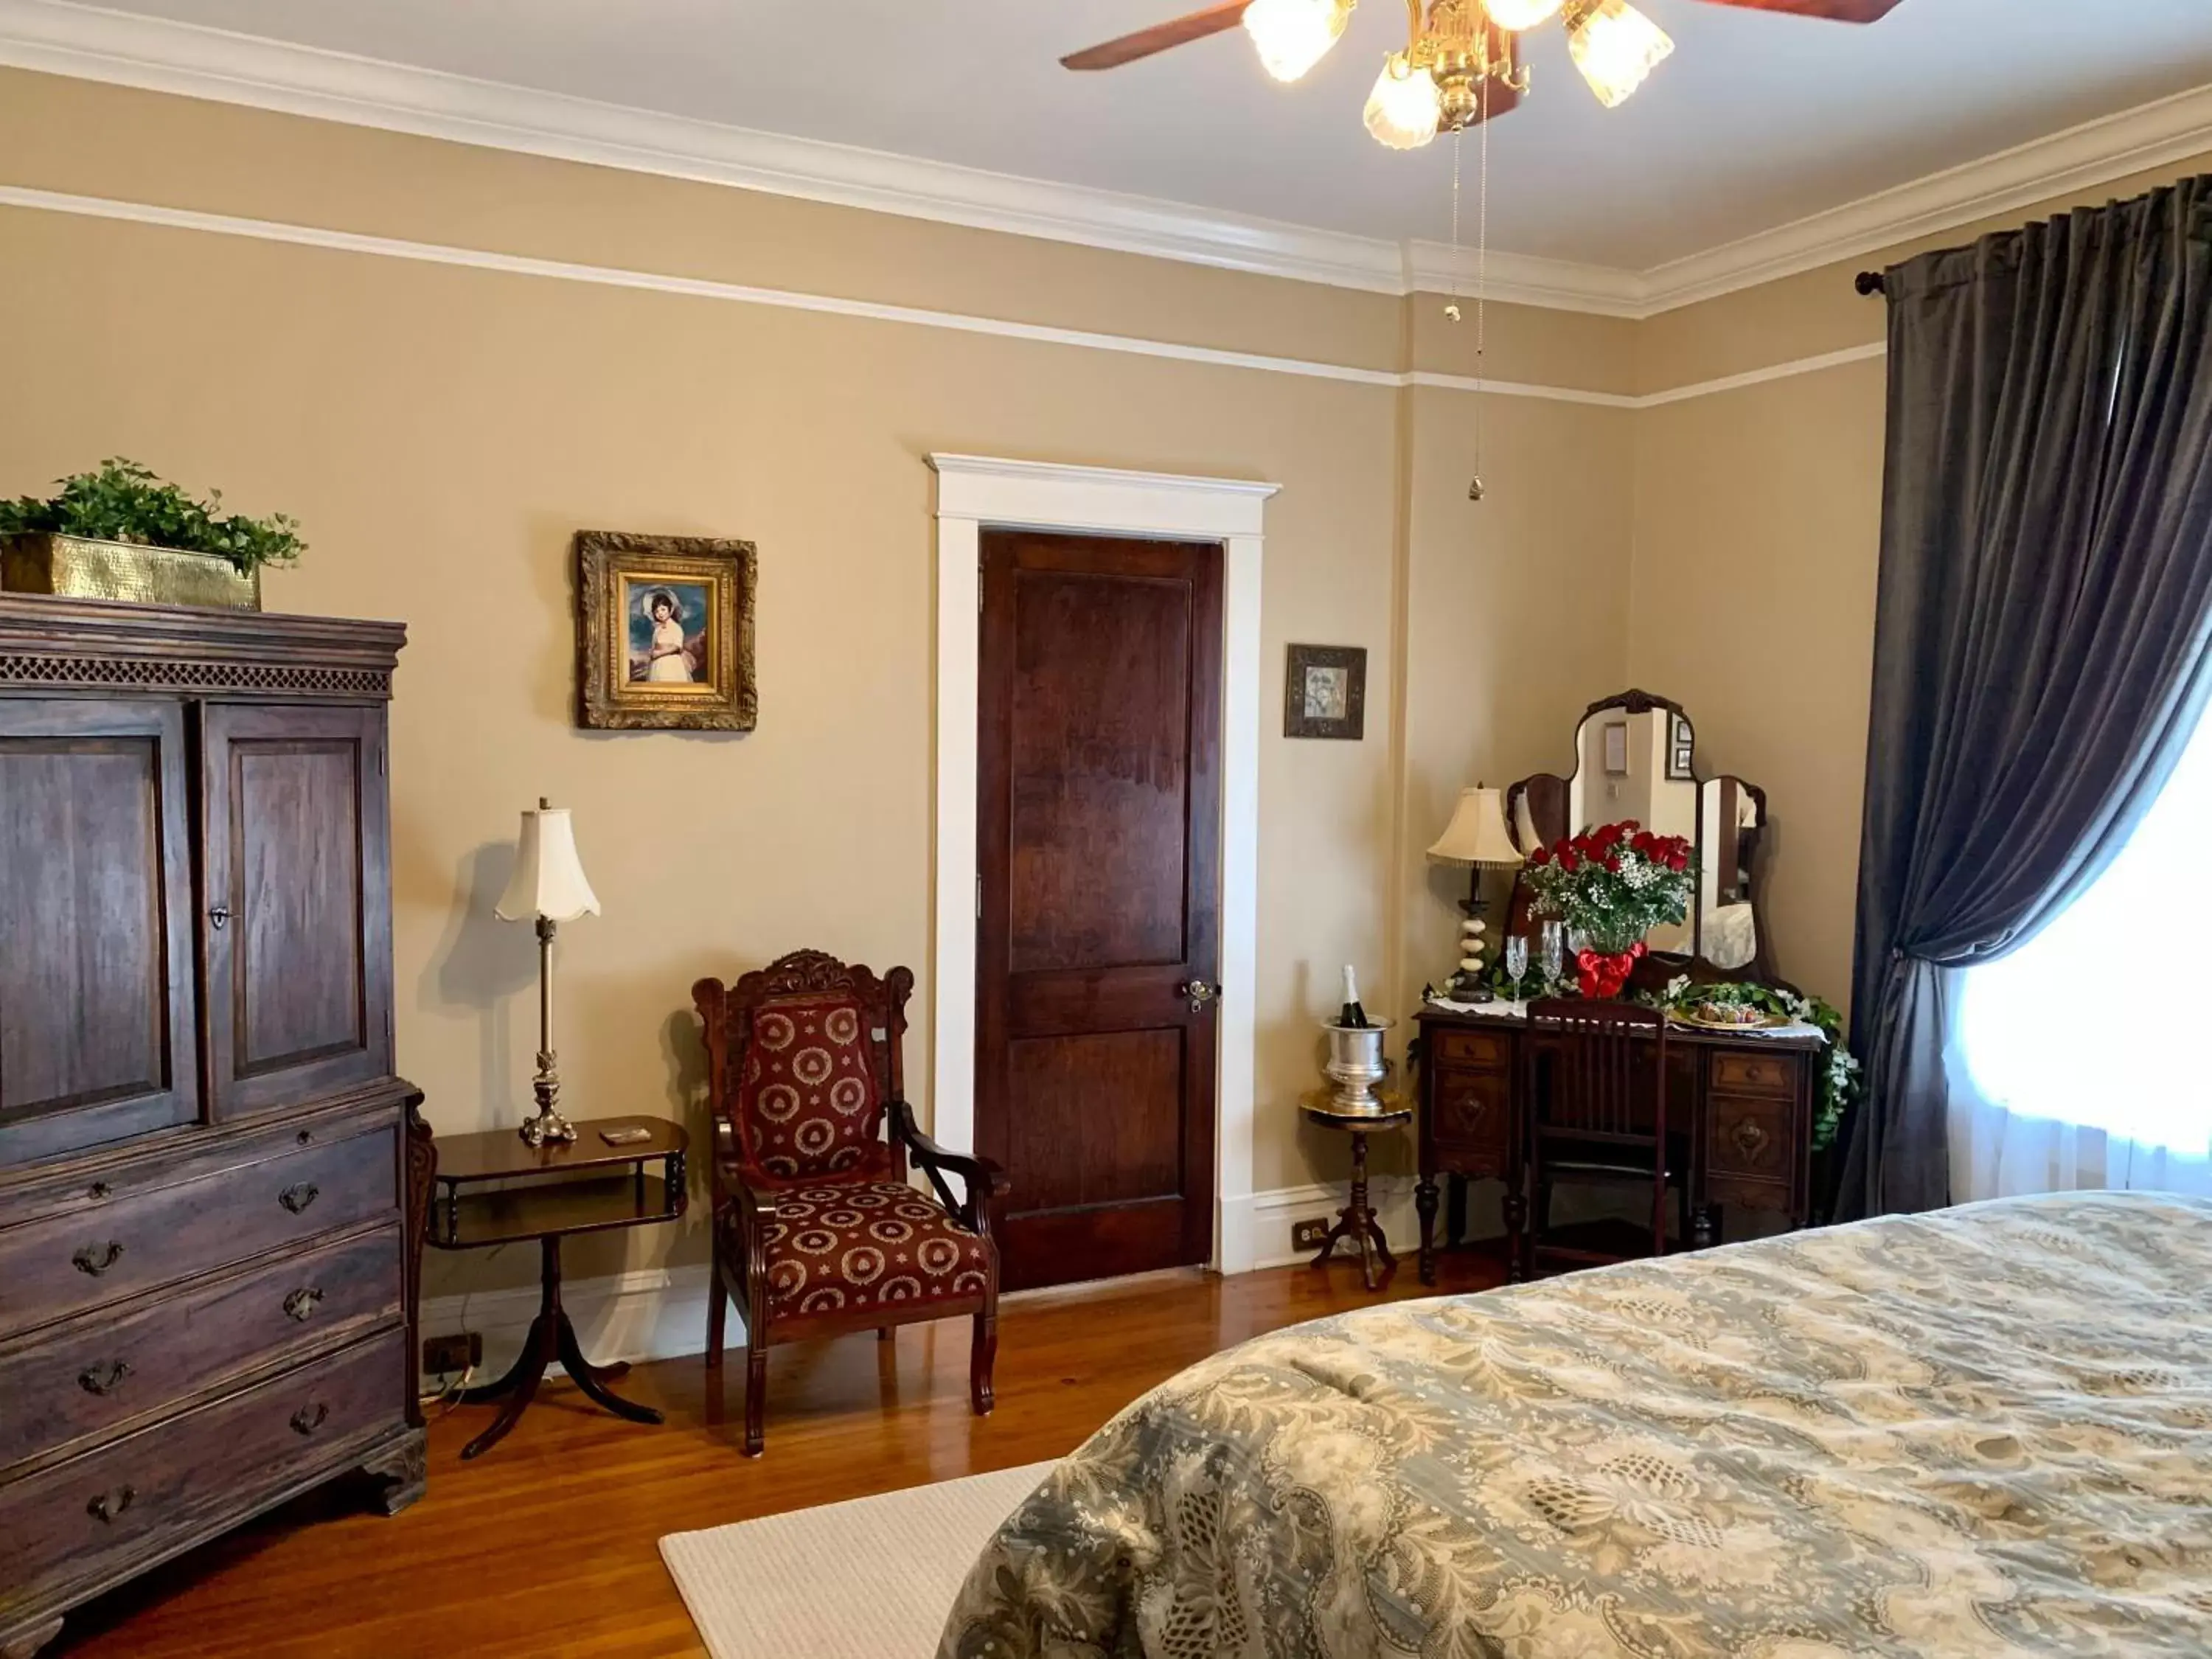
<point x="1613" y="885"/>
<point x="1839" y="1083"/>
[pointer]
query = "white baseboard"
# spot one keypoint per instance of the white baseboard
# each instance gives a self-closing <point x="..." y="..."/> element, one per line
<point x="660" y="1313"/>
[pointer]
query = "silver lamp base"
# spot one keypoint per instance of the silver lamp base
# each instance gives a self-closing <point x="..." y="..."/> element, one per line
<point x="547" y="1128"/>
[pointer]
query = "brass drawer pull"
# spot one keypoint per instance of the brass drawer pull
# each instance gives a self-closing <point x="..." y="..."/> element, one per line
<point x="297" y="1198"/>
<point x="301" y="1304"/>
<point x="103" y="1379"/>
<point x="108" y="1506"/>
<point x="220" y="915"/>
<point x="98" y="1259"/>
<point x="309" y="1419"/>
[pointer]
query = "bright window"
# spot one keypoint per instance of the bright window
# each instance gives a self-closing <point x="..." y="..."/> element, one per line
<point x="2047" y="1032"/>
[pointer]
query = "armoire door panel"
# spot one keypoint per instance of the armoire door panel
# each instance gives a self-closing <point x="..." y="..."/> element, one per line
<point x="96" y="995"/>
<point x="296" y="933"/>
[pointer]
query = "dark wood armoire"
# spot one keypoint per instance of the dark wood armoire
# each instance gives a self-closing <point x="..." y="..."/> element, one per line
<point x="210" y="1179"/>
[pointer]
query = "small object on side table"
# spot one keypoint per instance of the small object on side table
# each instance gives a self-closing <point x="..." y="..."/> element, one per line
<point x="547" y="1193"/>
<point x="1357" y="1219"/>
<point x="1477" y="837"/>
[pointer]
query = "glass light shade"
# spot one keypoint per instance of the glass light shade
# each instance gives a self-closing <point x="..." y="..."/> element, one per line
<point x="1514" y="15"/>
<point x="1293" y="35"/>
<point x="1615" y="47"/>
<point x="1403" y="110"/>
<point x="549" y="879"/>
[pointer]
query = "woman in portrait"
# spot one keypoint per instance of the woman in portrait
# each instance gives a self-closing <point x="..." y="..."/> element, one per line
<point x="669" y="661"/>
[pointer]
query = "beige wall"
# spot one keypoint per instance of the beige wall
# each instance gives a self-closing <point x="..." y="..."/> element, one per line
<point x="442" y="430"/>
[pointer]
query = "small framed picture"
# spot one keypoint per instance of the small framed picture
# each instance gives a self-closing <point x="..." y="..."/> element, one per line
<point x="1325" y="692"/>
<point x="1616" y="749"/>
<point x="664" y="632"/>
<point x="1681" y="745"/>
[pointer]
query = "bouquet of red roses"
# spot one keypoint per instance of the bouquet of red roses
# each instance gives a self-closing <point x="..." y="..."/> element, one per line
<point x="1613" y="885"/>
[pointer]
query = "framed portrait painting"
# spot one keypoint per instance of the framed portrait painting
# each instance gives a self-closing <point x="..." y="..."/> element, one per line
<point x="1325" y="692"/>
<point x="664" y="632"/>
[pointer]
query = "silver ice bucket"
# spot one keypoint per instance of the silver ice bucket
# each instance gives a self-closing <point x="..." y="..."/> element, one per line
<point x="1356" y="1064"/>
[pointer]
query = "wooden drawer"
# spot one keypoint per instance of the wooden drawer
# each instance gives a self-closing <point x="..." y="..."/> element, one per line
<point x="1755" y="1074"/>
<point x="100" y="1372"/>
<point x="1754" y="1137"/>
<point x="86" y="1517"/>
<point x="1472" y="1111"/>
<point x="103" y="1252"/>
<point x="1449" y="1046"/>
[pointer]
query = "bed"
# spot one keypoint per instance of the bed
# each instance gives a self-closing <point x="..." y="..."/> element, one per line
<point x="1986" y="1432"/>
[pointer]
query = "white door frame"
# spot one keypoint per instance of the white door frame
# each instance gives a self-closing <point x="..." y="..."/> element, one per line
<point x="973" y="491"/>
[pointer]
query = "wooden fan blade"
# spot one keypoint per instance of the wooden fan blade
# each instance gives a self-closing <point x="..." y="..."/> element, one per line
<point x="1158" y="37"/>
<point x="1839" y="11"/>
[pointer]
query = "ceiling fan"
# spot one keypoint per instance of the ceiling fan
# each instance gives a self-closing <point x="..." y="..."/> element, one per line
<point x="1460" y="65"/>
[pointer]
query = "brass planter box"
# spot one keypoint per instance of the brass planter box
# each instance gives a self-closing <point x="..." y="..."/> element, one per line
<point x="74" y="568"/>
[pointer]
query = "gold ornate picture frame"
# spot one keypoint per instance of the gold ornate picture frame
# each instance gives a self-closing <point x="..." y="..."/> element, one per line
<point x="664" y="632"/>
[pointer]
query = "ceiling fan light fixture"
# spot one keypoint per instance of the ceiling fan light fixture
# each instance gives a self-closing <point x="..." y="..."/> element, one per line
<point x="1403" y="109"/>
<point x="1514" y="15"/>
<point x="1293" y="35"/>
<point x="1614" y="45"/>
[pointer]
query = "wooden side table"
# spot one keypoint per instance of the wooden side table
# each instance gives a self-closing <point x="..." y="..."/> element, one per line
<point x="496" y="1188"/>
<point x="1357" y="1219"/>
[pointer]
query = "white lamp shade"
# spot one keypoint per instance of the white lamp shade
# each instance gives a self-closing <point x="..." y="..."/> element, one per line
<point x="549" y="879"/>
<point x="1477" y="832"/>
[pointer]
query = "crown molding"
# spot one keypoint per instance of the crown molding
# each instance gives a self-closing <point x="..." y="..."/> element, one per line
<point x="2043" y="170"/>
<point x="158" y="55"/>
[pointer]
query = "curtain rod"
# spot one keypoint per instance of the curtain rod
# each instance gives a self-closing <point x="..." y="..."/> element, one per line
<point x="1867" y="282"/>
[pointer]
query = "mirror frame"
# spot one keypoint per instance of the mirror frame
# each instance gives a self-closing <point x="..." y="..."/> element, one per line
<point x="1547" y="794"/>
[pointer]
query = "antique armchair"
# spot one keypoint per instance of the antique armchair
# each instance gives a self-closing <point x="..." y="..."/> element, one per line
<point x="816" y="1230"/>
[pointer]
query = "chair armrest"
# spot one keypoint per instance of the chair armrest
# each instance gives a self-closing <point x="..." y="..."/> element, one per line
<point x="986" y="1182"/>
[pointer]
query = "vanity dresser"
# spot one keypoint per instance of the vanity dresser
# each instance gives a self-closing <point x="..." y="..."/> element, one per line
<point x="211" y="1181"/>
<point x="1747" y="1101"/>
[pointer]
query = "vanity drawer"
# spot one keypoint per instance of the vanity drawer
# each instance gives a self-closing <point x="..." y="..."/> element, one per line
<point x="1449" y="1047"/>
<point x="97" y="1373"/>
<point x="1755" y="1074"/>
<point x="86" y="1517"/>
<point x="1754" y="1137"/>
<point x="1472" y="1111"/>
<point x="103" y="1252"/>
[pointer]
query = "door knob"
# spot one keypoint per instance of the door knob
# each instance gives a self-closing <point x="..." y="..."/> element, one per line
<point x="1200" y="993"/>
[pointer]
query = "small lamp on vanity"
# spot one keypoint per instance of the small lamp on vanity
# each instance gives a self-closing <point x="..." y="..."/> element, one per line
<point x="1476" y="837"/>
<point x="549" y="888"/>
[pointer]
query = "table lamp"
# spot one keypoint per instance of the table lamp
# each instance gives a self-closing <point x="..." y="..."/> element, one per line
<point x="1477" y="837"/>
<point x="550" y="887"/>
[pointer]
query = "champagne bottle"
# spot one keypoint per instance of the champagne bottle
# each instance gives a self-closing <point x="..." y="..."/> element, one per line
<point x="1352" y="1014"/>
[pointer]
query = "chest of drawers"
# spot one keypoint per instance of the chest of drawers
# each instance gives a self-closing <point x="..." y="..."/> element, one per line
<point x="212" y="1183"/>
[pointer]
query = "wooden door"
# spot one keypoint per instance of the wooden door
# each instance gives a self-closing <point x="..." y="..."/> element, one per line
<point x="298" y="940"/>
<point x="97" y="1033"/>
<point x="1099" y="782"/>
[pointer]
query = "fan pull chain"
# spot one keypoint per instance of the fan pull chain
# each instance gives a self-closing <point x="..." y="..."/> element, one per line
<point x="1474" y="490"/>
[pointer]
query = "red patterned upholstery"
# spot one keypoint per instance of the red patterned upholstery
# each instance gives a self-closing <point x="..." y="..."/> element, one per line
<point x="863" y="1244"/>
<point x="808" y="1105"/>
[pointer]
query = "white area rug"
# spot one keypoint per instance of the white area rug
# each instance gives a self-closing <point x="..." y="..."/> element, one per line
<point x="870" y="1579"/>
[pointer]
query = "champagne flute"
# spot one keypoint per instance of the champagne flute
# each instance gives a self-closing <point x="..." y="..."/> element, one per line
<point x="1516" y="961"/>
<point x="1555" y="952"/>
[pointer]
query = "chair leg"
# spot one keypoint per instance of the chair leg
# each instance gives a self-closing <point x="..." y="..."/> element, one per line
<point x="718" y="1309"/>
<point x="981" y="1356"/>
<point x="885" y="1333"/>
<point x="756" y="1393"/>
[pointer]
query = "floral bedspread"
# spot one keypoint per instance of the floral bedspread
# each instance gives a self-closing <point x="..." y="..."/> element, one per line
<point x="1986" y="1432"/>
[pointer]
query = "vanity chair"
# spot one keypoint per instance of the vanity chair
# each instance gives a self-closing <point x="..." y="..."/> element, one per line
<point x="1738" y="1107"/>
<point x="818" y="1232"/>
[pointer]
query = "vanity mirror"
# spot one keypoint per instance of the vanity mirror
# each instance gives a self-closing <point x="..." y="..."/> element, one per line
<point x="1636" y="757"/>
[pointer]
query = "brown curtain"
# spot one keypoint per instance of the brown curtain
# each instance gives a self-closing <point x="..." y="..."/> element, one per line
<point x="2044" y="609"/>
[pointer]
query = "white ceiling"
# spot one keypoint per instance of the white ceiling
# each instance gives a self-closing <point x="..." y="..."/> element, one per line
<point x="1758" y="119"/>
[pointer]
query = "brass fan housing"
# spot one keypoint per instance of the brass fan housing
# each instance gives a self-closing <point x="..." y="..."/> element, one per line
<point x="1460" y="47"/>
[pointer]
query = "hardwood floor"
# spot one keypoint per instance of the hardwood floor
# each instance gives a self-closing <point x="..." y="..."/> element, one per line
<point x="547" y="1545"/>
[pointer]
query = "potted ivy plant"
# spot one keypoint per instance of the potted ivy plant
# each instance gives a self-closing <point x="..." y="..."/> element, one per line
<point x="122" y="532"/>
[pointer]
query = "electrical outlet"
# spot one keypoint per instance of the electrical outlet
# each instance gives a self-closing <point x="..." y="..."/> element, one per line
<point x="1307" y="1235"/>
<point x="449" y="1356"/>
